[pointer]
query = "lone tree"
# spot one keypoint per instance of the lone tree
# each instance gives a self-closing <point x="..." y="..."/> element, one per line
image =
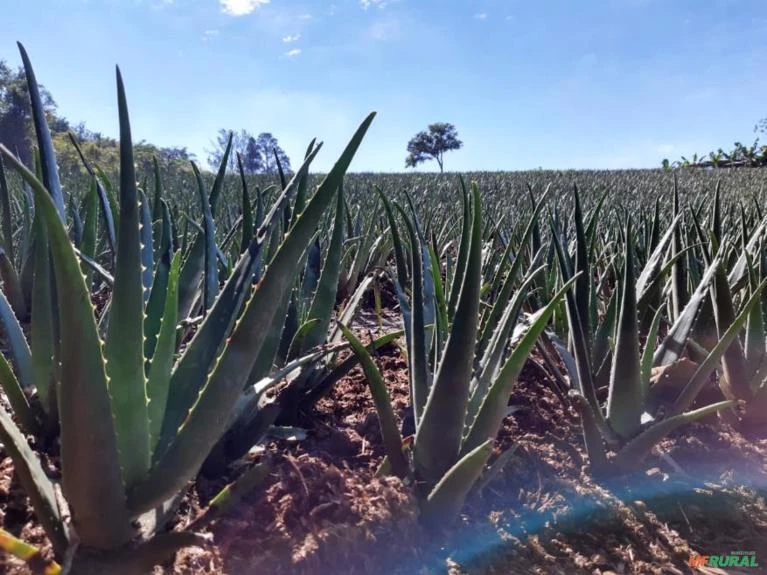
<point x="432" y="144"/>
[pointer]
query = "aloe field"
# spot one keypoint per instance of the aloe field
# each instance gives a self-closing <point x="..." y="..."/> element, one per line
<point x="523" y="372"/>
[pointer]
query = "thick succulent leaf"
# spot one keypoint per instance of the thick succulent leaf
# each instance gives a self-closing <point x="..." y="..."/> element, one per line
<point x="124" y="346"/>
<point x="674" y="343"/>
<point x="28" y="553"/>
<point x="493" y="407"/>
<point x="210" y="267"/>
<point x="162" y="360"/>
<point x="446" y="499"/>
<point x="649" y="350"/>
<point x="624" y="401"/>
<point x="392" y="439"/>
<point x="90" y="229"/>
<point x="17" y="343"/>
<point x="147" y="250"/>
<point x="325" y="296"/>
<point x="463" y="253"/>
<point x="48" y="165"/>
<point x="156" y="305"/>
<point x="7" y="215"/>
<point x="438" y="435"/>
<point x="631" y="454"/>
<point x="12" y="286"/>
<point x="418" y="351"/>
<point x="208" y="417"/>
<point x="91" y="474"/>
<point x="700" y="377"/>
<point x="247" y="210"/>
<point x="592" y="436"/>
<point x="651" y="273"/>
<point x="43" y="329"/>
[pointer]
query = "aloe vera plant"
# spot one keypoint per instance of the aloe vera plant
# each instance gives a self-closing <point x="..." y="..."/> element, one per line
<point x="133" y="436"/>
<point x="458" y="407"/>
<point x="629" y="425"/>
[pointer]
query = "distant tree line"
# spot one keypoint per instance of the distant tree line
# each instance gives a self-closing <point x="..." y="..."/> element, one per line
<point x="739" y="156"/>
<point x="17" y="133"/>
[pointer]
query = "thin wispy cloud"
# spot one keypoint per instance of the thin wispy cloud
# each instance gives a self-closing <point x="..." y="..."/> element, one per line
<point x="375" y="3"/>
<point x="291" y="38"/>
<point x="293" y="53"/>
<point x="480" y="16"/>
<point x="241" y="7"/>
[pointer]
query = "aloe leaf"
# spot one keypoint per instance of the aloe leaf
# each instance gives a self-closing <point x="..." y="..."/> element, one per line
<point x="162" y="360"/>
<point x="12" y="286"/>
<point x="591" y="434"/>
<point x="147" y="250"/>
<point x="463" y="253"/>
<point x="673" y="344"/>
<point x="649" y="350"/>
<point x="323" y="387"/>
<point x="325" y="296"/>
<point x="158" y="188"/>
<point x="438" y="436"/>
<point x="493" y="407"/>
<point x="417" y="353"/>
<point x="624" y="401"/>
<point x="27" y="553"/>
<point x="651" y="273"/>
<point x="701" y="375"/>
<point x="491" y="361"/>
<point x="43" y="330"/>
<point x="232" y="494"/>
<point x="631" y="454"/>
<point x="90" y="229"/>
<point x="210" y="273"/>
<point x="446" y="499"/>
<point x="392" y="439"/>
<point x="582" y="291"/>
<point x="247" y="210"/>
<point x="679" y="297"/>
<point x="87" y="431"/>
<point x="399" y="252"/>
<point x="5" y="205"/>
<point x="505" y="293"/>
<point x="156" y="304"/>
<point x="38" y="487"/>
<point x="124" y="347"/>
<point x="205" y="424"/>
<point x="17" y="343"/>
<point x="48" y="166"/>
<point x="105" y="200"/>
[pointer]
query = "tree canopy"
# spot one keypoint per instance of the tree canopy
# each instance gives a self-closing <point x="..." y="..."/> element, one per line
<point x="431" y="144"/>
<point x="257" y="152"/>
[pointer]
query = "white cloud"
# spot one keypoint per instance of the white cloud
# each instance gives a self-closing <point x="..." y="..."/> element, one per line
<point x="665" y="148"/>
<point x="378" y="3"/>
<point x="480" y="16"/>
<point x="291" y="38"/>
<point x="241" y="7"/>
<point x="293" y="53"/>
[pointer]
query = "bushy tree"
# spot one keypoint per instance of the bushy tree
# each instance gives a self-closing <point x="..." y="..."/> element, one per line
<point x="16" y="130"/>
<point x="431" y="144"/>
<point x="257" y="152"/>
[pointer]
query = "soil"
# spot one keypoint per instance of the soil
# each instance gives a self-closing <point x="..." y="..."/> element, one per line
<point x="323" y="511"/>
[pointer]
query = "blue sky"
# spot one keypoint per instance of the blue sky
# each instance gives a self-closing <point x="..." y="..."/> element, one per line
<point x="553" y="83"/>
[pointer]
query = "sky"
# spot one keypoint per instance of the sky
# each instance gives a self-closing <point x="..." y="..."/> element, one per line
<point x="555" y="83"/>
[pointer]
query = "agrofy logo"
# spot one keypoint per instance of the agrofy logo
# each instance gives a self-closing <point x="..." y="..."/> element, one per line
<point x="733" y="559"/>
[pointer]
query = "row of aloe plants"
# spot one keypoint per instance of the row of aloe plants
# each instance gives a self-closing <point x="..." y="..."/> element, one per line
<point x="202" y="325"/>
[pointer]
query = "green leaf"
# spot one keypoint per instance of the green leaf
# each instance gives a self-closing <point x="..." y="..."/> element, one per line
<point x="624" y="401"/>
<point x="392" y="439"/>
<point x="162" y="360"/>
<point x="445" y="501"/>
<point x="438" y="437"/>
<point x="124" y="346"/>
<point x="92" y="481"/>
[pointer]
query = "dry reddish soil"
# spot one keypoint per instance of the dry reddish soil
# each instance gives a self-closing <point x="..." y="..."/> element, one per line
<point x="322" y="511"/>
